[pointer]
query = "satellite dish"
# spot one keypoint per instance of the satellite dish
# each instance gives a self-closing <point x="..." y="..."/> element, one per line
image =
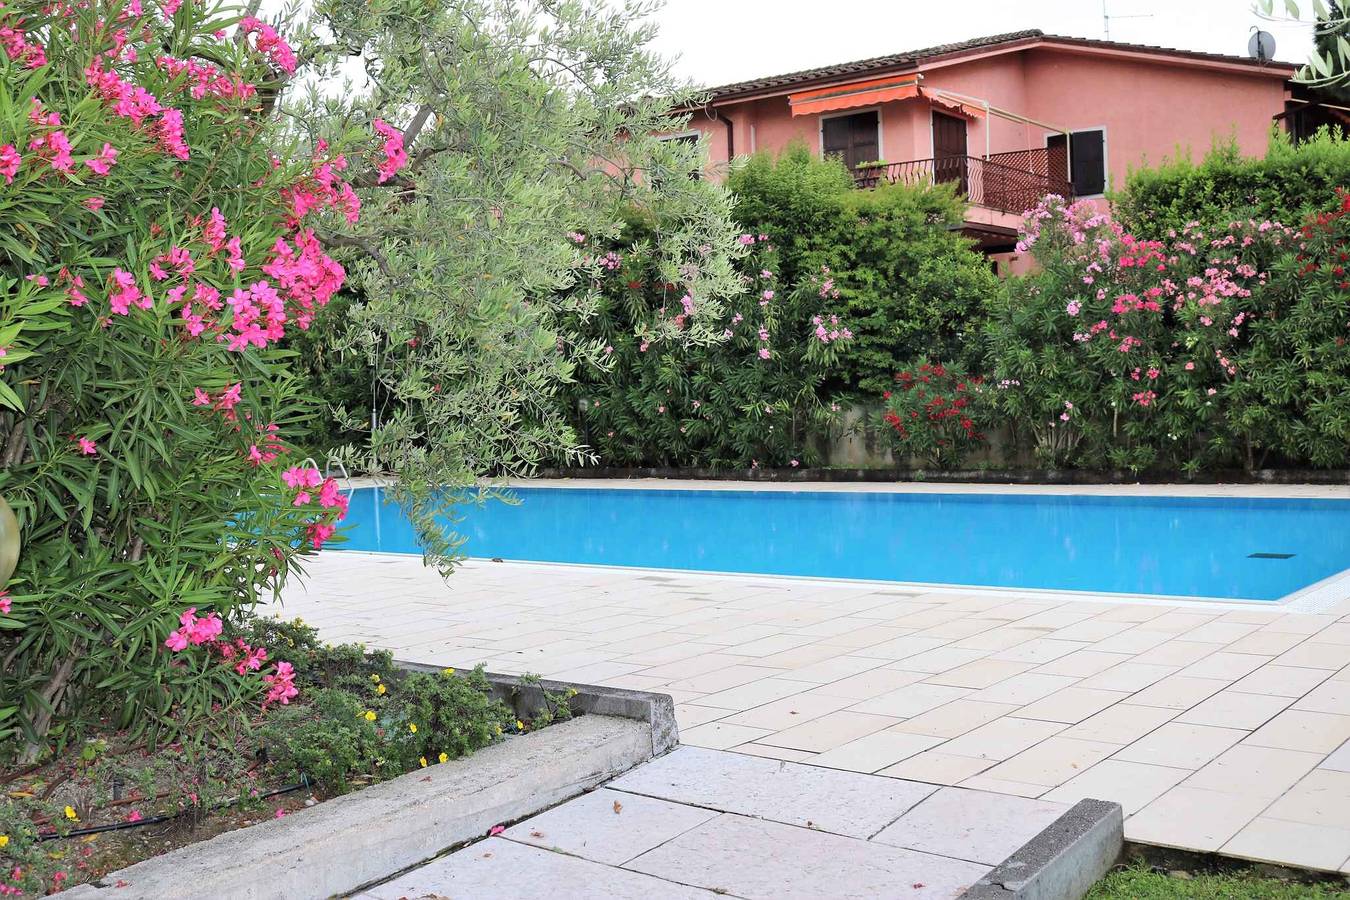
<point x="1261" y="46"/>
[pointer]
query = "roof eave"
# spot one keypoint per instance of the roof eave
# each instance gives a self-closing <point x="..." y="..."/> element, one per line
<point x="1083" y="46"/>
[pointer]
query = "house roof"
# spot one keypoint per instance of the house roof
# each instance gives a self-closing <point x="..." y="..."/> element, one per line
<point x="913" y="59"/>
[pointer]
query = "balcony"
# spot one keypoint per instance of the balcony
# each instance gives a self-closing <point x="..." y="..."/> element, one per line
<point x="1010" y="182"/>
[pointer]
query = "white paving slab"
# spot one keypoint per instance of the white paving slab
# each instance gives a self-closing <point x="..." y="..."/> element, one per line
<point x="762" y="860"/>
<point x="845" y="803"/>
<point x="608" y="826"/>
<point x="974" y="825"/>
<point x="498" y="869"/>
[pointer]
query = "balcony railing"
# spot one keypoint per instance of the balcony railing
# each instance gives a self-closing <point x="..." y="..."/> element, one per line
<point x="1010" y="182"/>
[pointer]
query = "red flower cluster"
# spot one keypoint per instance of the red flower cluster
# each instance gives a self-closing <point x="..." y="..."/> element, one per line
<point x="933" y="411"/>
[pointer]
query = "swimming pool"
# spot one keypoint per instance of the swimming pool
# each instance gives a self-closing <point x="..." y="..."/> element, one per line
<point x="1231" y="548"/>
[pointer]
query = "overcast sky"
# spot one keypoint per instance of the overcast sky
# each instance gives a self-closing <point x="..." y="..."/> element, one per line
<point x="720" y="41"/>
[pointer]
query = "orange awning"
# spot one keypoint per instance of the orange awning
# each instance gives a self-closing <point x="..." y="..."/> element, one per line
<point x="851" y="96"/>
<point x="952" y="104"/>
<point x="870" y="93"/>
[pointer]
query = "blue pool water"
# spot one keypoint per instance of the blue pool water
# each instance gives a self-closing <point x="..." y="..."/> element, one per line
<point x="1150" y="545"/>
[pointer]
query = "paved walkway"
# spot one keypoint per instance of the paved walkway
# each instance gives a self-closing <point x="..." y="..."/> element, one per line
<point x="1218" y="727"/>
<point x="701" y="823"/>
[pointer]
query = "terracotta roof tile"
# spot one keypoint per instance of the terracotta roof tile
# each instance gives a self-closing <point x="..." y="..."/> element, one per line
<point x="913" y="58"/>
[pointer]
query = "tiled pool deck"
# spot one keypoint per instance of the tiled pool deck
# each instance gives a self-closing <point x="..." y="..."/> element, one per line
<point x="1218" y="726"/>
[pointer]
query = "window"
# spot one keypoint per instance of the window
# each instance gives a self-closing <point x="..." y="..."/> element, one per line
<point x="690" y="139"/>
<point x="1087" y="160"/>
<point x="854" y="139"/>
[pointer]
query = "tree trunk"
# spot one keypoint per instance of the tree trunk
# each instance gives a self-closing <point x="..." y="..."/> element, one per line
<point x="52" y="693"/>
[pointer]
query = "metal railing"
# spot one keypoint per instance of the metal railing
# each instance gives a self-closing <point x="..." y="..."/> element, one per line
<point x="1010" y="182"/>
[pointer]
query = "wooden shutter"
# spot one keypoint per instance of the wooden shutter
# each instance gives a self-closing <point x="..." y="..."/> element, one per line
<point x="866" y="141"/>
<point x="1088" y="161"/>
<point x="854" y="138"/>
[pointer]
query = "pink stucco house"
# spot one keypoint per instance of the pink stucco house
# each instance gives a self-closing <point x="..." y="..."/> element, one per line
<point x="1010" y="117"/>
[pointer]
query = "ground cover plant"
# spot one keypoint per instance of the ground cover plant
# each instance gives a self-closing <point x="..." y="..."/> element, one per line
<point x="346" y="718"/>
<point x="1142" y="882"/>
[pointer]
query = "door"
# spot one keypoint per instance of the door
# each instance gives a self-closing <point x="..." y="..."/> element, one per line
<point x="854" y="139"/>
<point x="949" y="149"/>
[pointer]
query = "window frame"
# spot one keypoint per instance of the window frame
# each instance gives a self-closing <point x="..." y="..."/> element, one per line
<point x="820" y="127"/>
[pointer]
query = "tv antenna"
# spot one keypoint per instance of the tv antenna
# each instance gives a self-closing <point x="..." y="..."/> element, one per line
<point x="1107" y="17"/>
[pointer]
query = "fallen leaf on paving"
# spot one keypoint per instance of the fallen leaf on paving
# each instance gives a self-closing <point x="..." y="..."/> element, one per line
<point x="617" y="807"/>
<point x="536" y="834"/>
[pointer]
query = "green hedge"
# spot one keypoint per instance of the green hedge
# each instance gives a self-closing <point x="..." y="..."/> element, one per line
<point x="1286" y="185"/>
<point x="910" y="281"/>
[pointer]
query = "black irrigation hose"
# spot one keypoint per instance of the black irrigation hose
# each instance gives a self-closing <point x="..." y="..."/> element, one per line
<point x="156" y="820"/>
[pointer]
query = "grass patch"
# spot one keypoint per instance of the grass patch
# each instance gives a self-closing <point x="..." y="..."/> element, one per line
<point x="1143" y="882"/>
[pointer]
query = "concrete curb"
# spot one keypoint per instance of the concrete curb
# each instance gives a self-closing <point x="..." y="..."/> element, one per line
<point x="1063" y="861"/>
<point x="657" y="710"/>
<point x="344" y="843"/>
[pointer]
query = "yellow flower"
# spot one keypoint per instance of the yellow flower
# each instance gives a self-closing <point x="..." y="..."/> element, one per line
<point x="520" y="726"/>
<point x="4" y="841"/>
<point x="444" y="756"/>
<point x="380" y="689"/>
<point x="375" y="679"/>
<point x="412" y="726"/>
<point x="370" y="715"/>
<point x="447" y="671"/>
<point x="71" y="814"/>
<point x="423" y="761"/>
<point x="499" y="729"/>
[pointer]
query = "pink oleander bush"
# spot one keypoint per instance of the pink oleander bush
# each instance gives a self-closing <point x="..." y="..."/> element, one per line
<point x="156" y="245"/>
<point x="1122" y="351"/>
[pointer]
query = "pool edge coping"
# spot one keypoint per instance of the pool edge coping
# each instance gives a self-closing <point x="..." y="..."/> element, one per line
<point x="1287" y="603"/>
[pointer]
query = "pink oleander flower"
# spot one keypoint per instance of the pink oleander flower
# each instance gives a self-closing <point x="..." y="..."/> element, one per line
<point x="395" y="156"/>
<point x="87" y="447"/>
<point x="59" y="145"/>
<point x="9" y="162"/>
<point x="764" y="353"/>
<point x="319" y="532"/>
<point x="103" y="163"/>
<point x="94" y="204"/>
<point x="302" y="477"/>
<point x="5" y="603"/>
<point x="126" y="293"/>
<point x="230" y="397"/>
<point x="269" y="43"/>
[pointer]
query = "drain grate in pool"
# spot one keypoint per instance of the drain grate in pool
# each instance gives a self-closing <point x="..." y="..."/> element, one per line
<point x="1270" y="556"/>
